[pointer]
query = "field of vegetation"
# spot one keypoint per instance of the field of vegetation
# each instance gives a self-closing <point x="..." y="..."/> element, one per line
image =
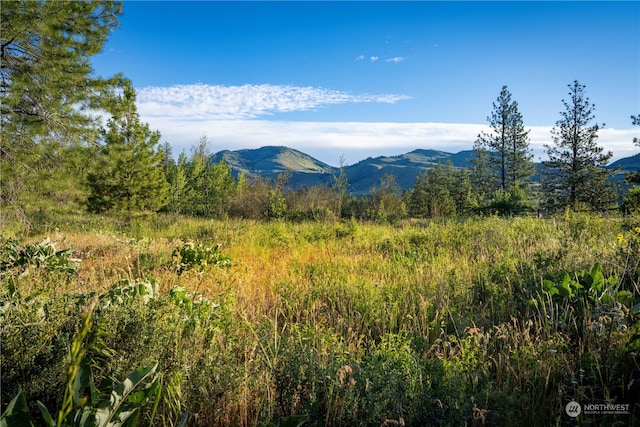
<point x="142" y="288"/>
<point x="484" y="321"/>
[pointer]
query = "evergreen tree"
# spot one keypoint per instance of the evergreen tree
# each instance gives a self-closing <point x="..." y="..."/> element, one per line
<point x="575" y="173"/>
<point x="46" y="78"/>
<point x="386" y="205"/>
<point x="221" y="187"/>
<point x="506" y="149"/>
<point x="631" y="202"/>
<point x="128" y="173"/>
<point x="634" y="177"/>
<point x="209" y="186"/>
<point x="46" y="87"/>
<point x="176" y="173"/>
<point x="196" y="197"/>
<point x="482" y="179"/>
<point x="443" y="191"/>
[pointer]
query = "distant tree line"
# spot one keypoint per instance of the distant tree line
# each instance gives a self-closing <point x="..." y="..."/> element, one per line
<point x="57" y="156"/>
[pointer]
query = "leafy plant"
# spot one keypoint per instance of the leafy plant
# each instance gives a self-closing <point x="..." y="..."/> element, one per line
<point x="590" y="284"/>
<point x="190" y="256"/>
<point x="84" y="404"/>
<point x="126" y="290"/>
<point x="194" y="305"/>
<point x="40" y="255"/>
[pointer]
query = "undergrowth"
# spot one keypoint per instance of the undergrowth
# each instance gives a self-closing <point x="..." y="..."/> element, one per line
<point x="473" y="322"/>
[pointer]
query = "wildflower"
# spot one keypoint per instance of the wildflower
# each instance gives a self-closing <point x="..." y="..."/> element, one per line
<point x="621" y="239"/>
<point x="637" y="230"/>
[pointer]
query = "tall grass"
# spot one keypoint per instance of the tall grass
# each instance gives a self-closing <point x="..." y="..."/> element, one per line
<point x="351" y="323"/>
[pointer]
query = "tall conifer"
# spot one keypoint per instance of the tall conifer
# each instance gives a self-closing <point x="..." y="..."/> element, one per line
<point x="575" y="174"/>
<point x="128" y="174"/>
<point x="507" y="146"/>
<point x="47" y="87"/>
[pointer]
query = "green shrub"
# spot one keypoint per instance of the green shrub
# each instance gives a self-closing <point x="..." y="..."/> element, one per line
<point x="85" y="403"/>
<point x="190" y="256"/>
<point x="42" y="255"/>
<point x="631" y="201"/>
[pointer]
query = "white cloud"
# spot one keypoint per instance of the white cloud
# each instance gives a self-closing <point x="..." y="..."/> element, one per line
<point x="374" y="58"/>
<point x="200" y="101"/>
<point x="618" y="141"/>
<point x="327" y="141"/>
<point x="396" y="59"/>
<point x="230" y="117"/>
<point x="359" y="57"/>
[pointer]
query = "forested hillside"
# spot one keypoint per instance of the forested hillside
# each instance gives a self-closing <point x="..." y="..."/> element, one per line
<point x="266" y="162"/>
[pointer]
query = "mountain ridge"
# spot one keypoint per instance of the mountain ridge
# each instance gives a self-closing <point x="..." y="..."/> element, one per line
<point x="305" y="170"/>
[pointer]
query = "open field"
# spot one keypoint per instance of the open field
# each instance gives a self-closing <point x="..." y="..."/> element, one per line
<point x="482" y="321"/>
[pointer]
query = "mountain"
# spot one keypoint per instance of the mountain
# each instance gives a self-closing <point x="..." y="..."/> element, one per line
<point x="367" y="173"/>
<point x="627" y="164"/>
<point x="268" y="162"/>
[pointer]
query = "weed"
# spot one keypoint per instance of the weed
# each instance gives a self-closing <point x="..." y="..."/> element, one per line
<point x="190" y="256"/>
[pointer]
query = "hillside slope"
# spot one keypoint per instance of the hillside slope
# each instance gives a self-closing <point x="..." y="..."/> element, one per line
<point x="304" y="170"/>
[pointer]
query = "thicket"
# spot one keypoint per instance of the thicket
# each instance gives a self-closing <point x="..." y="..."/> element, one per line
<point x="478" y="321"/>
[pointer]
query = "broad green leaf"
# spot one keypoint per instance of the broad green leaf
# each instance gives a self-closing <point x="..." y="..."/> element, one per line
<point x="17" y="413"/>
<point x="566" y="279"/>
<point x="565" y="290"/>
<point x="81" y="382"/>
<point x="597" y="278"/>
<point x="45" y="414"/>
<point x="548" y="285"/>
<point x="85" y="416"/>
<point x="128" y="416"/>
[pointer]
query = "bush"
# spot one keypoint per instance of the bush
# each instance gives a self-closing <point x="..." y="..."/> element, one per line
<point x="190" y="256"/>
<point x="631" y="201"/>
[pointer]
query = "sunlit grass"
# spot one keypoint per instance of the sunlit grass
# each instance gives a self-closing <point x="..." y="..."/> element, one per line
<point x="352" y="323"/>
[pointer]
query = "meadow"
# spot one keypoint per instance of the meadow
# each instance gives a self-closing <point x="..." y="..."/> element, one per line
<point x="480" y="321"/>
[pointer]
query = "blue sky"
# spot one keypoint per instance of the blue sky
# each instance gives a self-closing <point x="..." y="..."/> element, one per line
<point x="356" y="79"/>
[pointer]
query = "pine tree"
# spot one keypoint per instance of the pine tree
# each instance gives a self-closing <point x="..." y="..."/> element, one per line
<point x="443" y="191"/>
<point x="196" y="194"/>
<point x="631" y="202"/>
<point x="46" y="78"/>
<point x="209" y="186"/>
<point x="634" y="177"/>
<point x="46" y="87"/>
<point x="176" y="173"/>
<point x="575" y="173"/>
<point x="482" y="179"/>
<point x="506" y="147"/>
<point x="128" y="174"/>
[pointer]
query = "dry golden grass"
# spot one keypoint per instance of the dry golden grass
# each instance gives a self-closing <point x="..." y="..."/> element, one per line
<point x="453" y="308"/>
